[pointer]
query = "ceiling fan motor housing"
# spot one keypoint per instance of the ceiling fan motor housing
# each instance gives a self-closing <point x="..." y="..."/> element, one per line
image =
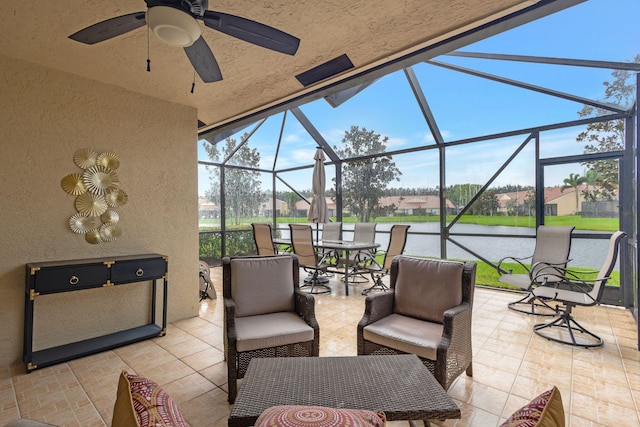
<point x="173" y="26"/>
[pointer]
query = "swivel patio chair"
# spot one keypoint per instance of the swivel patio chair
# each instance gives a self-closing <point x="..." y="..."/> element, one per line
<point x="265" y="313"/>
<point x="551" y="255"/>
<point x="397" y="242"/>
<point x="571" y="290"/>
<point x="426" y="313"/>
<point x="309" y="258"/>
<point x="263" y="238"/>
<point x="331" y="231"/>
<point x="364" y="232"/>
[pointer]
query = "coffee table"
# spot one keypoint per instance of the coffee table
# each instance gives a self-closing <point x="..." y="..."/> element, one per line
<point x="398" y="385"/>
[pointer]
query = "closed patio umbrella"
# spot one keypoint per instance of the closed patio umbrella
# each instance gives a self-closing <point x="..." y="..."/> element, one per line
<point x="318" y="210"/>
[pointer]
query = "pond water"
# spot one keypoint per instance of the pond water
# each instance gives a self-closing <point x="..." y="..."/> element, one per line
<point x="589" y="253"/>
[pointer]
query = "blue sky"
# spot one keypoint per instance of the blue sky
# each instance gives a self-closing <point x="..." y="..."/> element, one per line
<point x="466" y="106"/>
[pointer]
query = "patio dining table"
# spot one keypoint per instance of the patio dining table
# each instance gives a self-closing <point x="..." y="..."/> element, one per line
<point x="345" y="247"/>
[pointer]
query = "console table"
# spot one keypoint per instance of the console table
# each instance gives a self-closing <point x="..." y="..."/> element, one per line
<point x="45" y="278"/>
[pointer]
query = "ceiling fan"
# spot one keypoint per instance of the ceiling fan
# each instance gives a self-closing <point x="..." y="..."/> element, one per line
<point x="175" y="23"/>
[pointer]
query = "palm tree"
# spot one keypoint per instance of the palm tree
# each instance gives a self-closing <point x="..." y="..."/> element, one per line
<point x="574" y="181"/>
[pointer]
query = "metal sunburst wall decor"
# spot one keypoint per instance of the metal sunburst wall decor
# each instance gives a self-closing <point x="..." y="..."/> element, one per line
<point x="98" y="196"/>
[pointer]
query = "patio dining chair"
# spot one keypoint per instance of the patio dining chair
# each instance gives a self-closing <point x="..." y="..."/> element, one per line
<point x="571" y="289"/>
<point x="397" y="242"/>
<point x="310" y="260"/>
<point x="263" y="238"/>
<point x="364" y="232"/>
<point x="331" y="231"/>
<point x="550" y="257"/>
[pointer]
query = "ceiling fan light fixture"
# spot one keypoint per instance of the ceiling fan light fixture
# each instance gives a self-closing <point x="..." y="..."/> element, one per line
<point x="173" y="26"/>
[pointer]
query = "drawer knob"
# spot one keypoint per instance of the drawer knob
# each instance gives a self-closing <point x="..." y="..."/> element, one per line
<point x="74" y="280"/>
<point x="139" y="272"/>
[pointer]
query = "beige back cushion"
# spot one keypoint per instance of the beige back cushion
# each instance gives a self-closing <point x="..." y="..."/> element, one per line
<point x="262" y="285"/>
<point x="425" y="288"/>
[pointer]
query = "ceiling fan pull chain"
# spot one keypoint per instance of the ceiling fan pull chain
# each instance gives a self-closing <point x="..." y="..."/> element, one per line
<point x="148" y="60"/>
<point x="193" y="85"/>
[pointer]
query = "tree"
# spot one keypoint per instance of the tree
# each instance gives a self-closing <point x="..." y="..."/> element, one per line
<point x="592" y="178"/>
<point x="607" y="136"/>
<point x="291" y="199"/>
<point x="574" y="181"/>
<point x="242" y="187"/>
<point x="530" y="203"/>
<point x="486" y="204"/>
<point x="461" y="194"/>
<point x="364" y="181"/>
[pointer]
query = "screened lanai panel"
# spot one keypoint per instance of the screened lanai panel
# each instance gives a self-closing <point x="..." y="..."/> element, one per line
<point x="577" y="32"/>
<point x="510" y="184"/>
<point x="469" y="106"/>
<point x="387" y="107"/>
<point x="420" y="171"/>
<point x="577" y="81"/>
<point x="297" y="184"/>
<point x="585" y="195"/>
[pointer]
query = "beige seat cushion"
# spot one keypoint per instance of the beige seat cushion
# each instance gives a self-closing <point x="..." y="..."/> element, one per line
<point x="406" y="334"/>
<point x="271" y="330"/>
<point x="426" y="288"/>
<point x="262" y="285"/>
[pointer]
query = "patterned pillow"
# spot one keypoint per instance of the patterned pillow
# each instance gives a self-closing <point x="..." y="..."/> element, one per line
<point x="143" y="403"/>
<point x="545" y="410"/>
<point x="318" y="416"/>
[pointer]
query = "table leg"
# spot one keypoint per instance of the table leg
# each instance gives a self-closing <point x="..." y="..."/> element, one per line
<point x="346" y="274"/>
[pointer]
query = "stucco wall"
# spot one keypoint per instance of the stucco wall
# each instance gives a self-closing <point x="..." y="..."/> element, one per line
<point x="45" y="116"/>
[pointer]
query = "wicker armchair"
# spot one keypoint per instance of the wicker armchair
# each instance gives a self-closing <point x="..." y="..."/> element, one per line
<point x="265" y="313"/>
<point x="427" y="313"/>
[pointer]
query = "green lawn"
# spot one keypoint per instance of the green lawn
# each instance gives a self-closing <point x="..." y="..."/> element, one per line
<point x="592" y="224"/>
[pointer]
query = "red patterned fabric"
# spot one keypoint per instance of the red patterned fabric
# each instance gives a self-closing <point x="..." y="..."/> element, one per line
<point x="545" y="410"/>
<point x="318" y="416"/>
<point x="152" y="405"/>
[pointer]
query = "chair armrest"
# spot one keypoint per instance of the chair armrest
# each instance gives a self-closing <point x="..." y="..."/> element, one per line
<point x="306" y="308"/>
<point x="543" y="268"/>
<point x="502" y="271"/>
<point x="456" y="336"/>
<point x="366" y="259"/>
<point x="376" y="307"/>
<point x="230" y="319"/>
<point x="451" y="317"/>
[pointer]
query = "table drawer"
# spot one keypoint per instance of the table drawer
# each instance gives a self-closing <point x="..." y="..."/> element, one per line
<point x="136" y="270"/>
<point x="70" y="278"/>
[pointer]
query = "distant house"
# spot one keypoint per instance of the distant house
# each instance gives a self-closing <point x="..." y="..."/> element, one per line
<point x="266" y="207"/>
<point x="302" y="207"/>
<point x="206" y="209"/>
<point x="416" y="205"/>
<point x="513" y="202"/>
<point x="556" y="201"/>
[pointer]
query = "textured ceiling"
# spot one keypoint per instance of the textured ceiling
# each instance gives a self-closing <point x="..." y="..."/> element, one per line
<point x="370" y="32"/>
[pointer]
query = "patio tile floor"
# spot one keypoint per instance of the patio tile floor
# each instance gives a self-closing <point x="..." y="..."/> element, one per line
<point x="600" y="387"/>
